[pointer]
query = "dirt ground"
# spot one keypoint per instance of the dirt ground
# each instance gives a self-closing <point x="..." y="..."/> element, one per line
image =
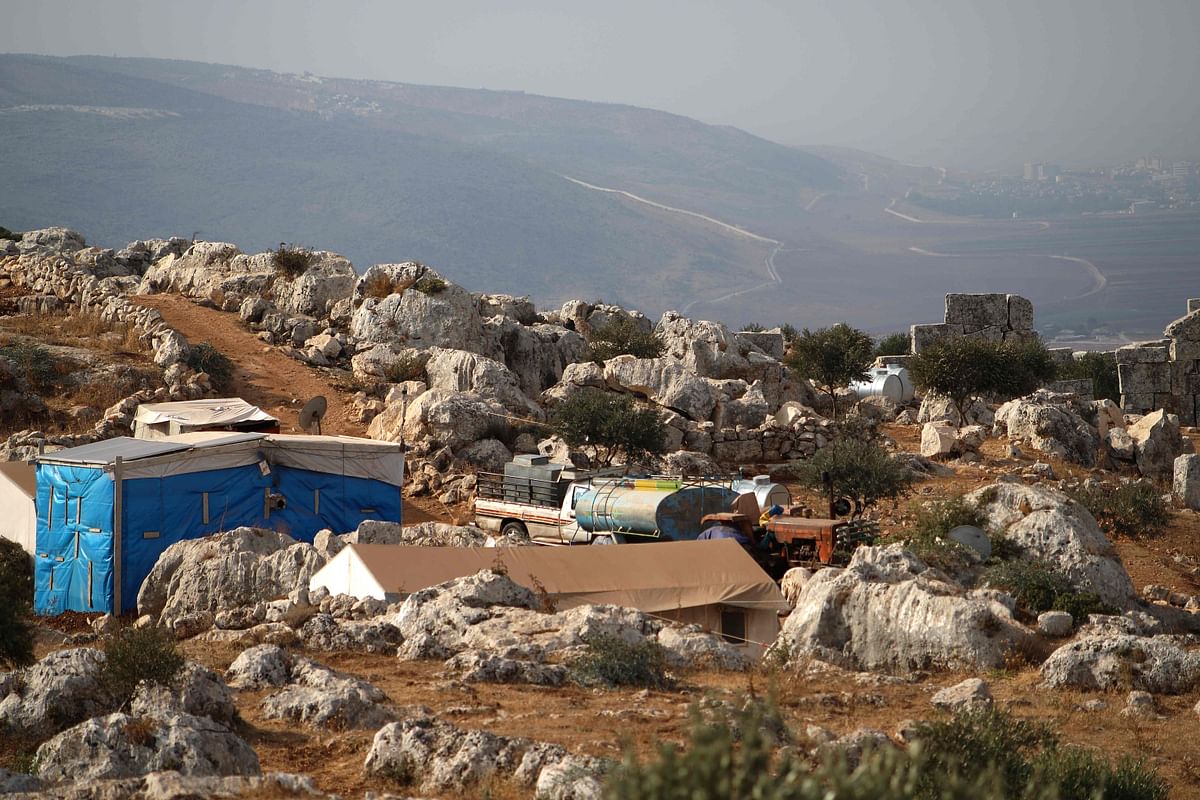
<point x="264" y="376"/>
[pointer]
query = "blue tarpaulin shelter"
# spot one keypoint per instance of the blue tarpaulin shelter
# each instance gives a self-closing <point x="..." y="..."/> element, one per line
<point x="106" y="511"/>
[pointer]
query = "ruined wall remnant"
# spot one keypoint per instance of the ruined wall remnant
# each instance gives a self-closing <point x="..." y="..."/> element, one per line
<point x="991" y="317"/>
<point x="1164" y="373"/>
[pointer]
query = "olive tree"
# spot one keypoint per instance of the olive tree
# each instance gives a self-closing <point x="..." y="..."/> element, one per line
<point x="858" y="469"/>
<point x="961" y="368"/>
<point x="609" y="424"/>
<point x="832" y="357"/>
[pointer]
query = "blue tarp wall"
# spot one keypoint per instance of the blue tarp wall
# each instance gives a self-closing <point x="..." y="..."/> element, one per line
<point x="74" y="561"/>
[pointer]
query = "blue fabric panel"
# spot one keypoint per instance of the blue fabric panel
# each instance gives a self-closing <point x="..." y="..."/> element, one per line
<point x="344" y="502"/>
<point x="173" y="508"/>
<point x="73" y="562"/>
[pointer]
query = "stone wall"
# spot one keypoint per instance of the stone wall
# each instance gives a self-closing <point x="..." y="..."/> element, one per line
<point x="991" y="317"/>
<point x="1164" y="373"/>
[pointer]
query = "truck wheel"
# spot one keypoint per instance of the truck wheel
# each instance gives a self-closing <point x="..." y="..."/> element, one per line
<point x="514" y="530"/>
<point x="604" y="540"/>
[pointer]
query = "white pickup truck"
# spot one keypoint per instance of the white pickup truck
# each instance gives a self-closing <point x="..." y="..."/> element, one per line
<point x="555" y="504"/>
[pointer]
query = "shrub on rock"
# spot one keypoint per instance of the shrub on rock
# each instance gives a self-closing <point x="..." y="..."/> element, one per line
<point x="135" y="655"/>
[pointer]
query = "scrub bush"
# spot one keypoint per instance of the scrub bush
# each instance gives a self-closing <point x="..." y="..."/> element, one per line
<point x="1134" y="509"/>
<point x="610" y="661"/>
<point x="16" y="602"/>
<point x="134" y="655"/>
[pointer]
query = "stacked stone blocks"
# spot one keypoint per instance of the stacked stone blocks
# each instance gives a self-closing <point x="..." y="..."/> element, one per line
<point x="1164" y="373"/>
<point x="991" y="317"/>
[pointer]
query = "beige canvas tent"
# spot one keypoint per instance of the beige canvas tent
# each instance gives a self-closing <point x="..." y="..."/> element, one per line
<point x="18" y="492"/>
<point x="715" y="584"/>
<point x="161" y="420"/>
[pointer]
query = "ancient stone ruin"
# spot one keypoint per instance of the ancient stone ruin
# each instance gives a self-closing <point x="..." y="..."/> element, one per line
<point x="991" y="317"/>
<point x="1164" y="373"/>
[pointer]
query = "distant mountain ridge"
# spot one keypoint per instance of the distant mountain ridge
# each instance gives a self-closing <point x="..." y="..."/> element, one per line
<point x="470" y="181"/>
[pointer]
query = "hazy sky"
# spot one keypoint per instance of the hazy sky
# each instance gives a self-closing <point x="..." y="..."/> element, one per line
<point x="983" y="83"/>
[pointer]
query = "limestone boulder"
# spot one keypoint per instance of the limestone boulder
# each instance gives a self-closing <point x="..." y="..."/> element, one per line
<point x="888" y="611"/>
<point x="196" y="690"/>
<point x="971" y="694"/>
<point x="666" y="382"/>
<point x="259" y="667"/>
<point x="489" y="455"/>
<point x="1052" y="423"/>
<point x="389" y="362"/>
<point x="519" y="309"/>
<point x="939" y="408"/>
<point x="461" y="371"/>
<point x="237" y="568"/>
<point x="536" y="354"/>
<point x="318" y="696"/>
<point x="212" y="271"/>
<point x="60" y="690"/>
<point x="423" y="310"/>
<point x="1157" y="441"/>
<point x="1048" y="525"/>
<point x="1157" y="664"/>
<point x="443" y="759"/>
<point x="441" y="419"/>
<point x="1186" y="481"/>
<point x="938" y="440"/>
<point x="122" y="746"/>
<point x="328" y="278"/>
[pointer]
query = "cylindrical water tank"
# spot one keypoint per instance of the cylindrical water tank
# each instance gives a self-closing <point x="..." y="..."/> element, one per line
<point x="660" y="509"/>
<point x="881" y="384"/>
<point x="766" y="492"/>
<point x="892" y="382"/>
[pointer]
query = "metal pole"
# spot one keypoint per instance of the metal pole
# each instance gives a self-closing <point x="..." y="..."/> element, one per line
<point x="117" y="549"/>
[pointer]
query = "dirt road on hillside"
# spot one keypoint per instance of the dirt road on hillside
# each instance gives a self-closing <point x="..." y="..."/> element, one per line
<point x="262" y="375"/>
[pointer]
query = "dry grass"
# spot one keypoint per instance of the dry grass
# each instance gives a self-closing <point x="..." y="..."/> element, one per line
<point x="77" y="330"/>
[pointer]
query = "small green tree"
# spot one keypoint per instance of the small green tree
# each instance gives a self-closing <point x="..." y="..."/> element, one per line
<point x="831" y="357"/>
<point x="1101" y="368"/>
<point x="858" y="469"/>
<point x="961" y="368"/>
<point x="894" y="344"/>
<point x="16" y="602"/>
<point x="203" y="357"/>
<point x="624" y="336"/>
<point x="610" y="424"/>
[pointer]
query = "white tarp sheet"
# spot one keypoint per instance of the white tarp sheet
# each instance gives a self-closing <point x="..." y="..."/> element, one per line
<point x="191" y="414"/>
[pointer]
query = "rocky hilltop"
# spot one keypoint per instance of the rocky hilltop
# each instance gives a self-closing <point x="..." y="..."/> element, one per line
<point x="1064" y="614"/>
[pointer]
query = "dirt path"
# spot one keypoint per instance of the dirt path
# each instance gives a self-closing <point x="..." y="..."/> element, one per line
<point x="262" y="375"/>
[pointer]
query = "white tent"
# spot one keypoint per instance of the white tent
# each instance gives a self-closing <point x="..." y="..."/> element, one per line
<point x="18" y="491"/>
<point x="714" y="584"/>
<point x="160" y="420"/>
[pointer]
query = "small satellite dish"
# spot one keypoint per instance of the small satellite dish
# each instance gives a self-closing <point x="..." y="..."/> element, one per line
<point x="974" y="538"/>
<point x="311" y="414"/>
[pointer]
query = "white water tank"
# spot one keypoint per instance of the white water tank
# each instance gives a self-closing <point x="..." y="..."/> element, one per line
<point x="892" y="382"/>
<point x="766" y="492"/>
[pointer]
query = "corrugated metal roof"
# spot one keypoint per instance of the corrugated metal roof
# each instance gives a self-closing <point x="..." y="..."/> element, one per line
<point x="106" y="452"/>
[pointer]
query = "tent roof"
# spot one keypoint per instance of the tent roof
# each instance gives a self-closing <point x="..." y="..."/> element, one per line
<point x="654" y="577"/>
<point x="105" y="452"/>
<point x="21" y="475"/>
<point x="193" y="413"/>
<point x="337" y="455"/>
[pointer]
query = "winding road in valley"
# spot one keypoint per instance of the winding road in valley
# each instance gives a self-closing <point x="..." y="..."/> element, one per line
<point x="769" y="262"/>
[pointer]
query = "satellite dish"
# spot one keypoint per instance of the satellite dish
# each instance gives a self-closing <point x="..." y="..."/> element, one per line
<point x="311" y="414"/>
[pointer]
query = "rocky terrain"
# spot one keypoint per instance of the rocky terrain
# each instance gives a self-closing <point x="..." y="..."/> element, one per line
<point x="473" y="687"/>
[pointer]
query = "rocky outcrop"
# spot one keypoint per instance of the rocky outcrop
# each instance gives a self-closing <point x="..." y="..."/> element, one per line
<point x="239" y="568"/>
<point x="1052" y="423"/>
<point x="1047" y="525"/>
<point x="1156" y="443"/>
<point x="488" y="612"/>
<point x="438" y="757"/>
<point x="888" y="611"/>
<point x="60" y="690"/>
<point x="439" y="419"/>
<point x="454" y="371"/>
<point x="417" y="308"/>
<point x="1157" y="664"/>
<point x="122" y="746"/>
